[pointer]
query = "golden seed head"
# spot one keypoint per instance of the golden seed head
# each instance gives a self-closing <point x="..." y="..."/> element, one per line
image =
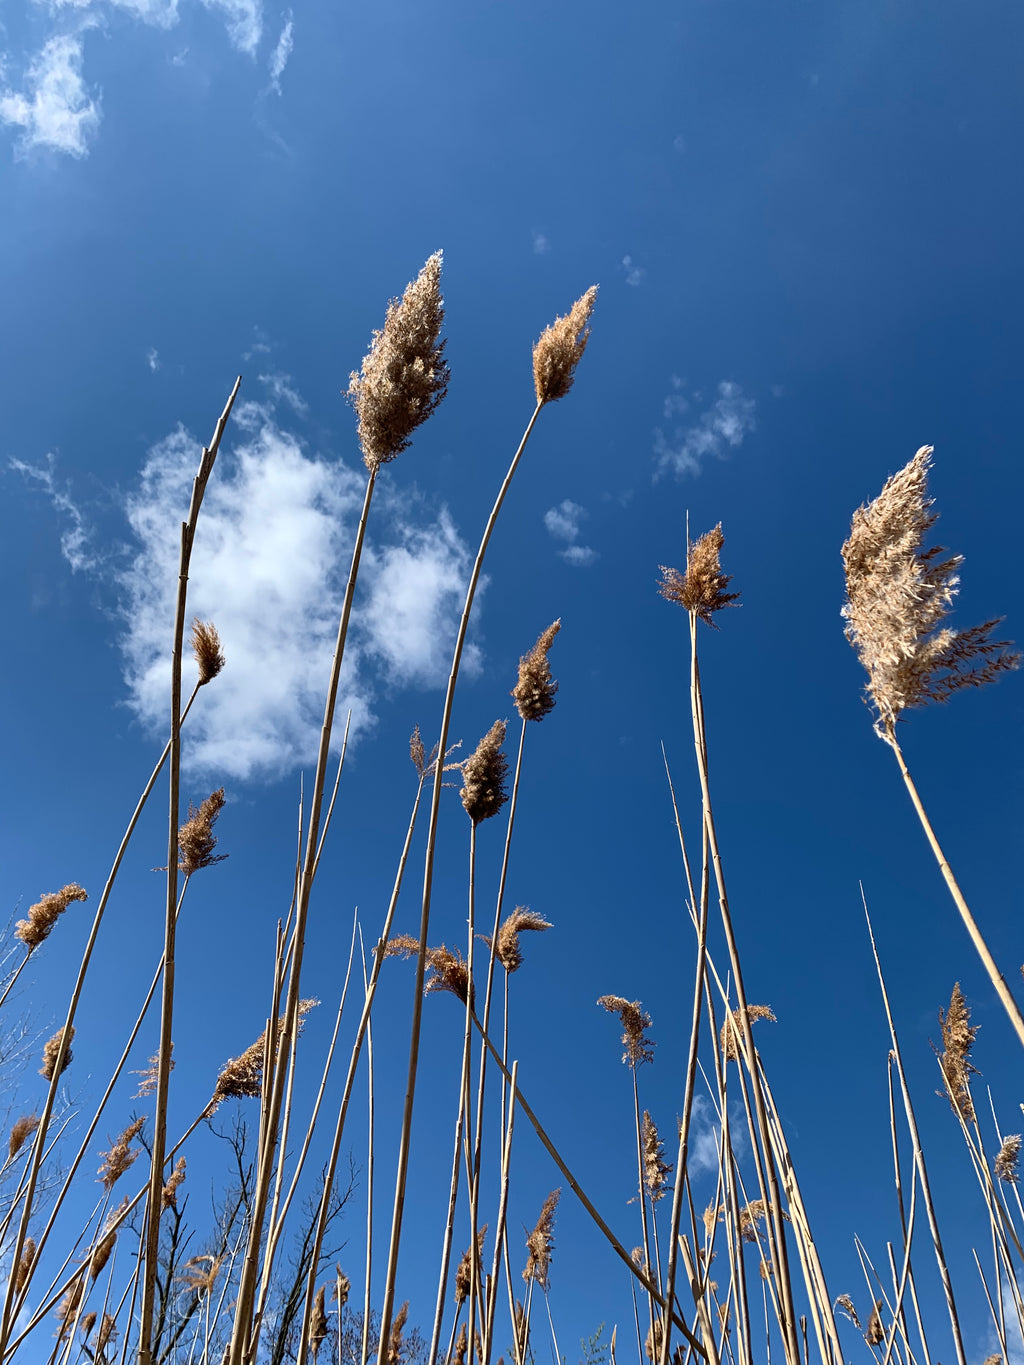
<point x="417" y="753"/>
<point x="535" y="690"/>
<point x="404" y="374"/>
<point x="200" y="1273"/>
<point x="120" y="1156"/>
<point x="464" y="1274"/>
<point x="1008" y="1157"/>
<point x="318" y="1322"/>
<point x="28" y="1257"/>
<point x="242" y="1077"/>
<point x="50" y="1050"/>
<point x="101" y="1253"/>
<point x="702" y="588"/>
<point x="635" y="1023"/>
<point x="958" y="1036"/>
<point x="845" y="1304"/>
<point x="396" y="1341"/>
<point x="541" y="1242"/>
<point x="656" y="1169"/>
<point x="342" y="1286"/>
<point x="875" y="1334"/>
<point x="196" y="839"/>
<point x="484" y="774"/>
<point x="897" y="596"/>
<point x="449" y="972"/>
<point x="105" y="1334"/>
<point x="560" y="349"/>
<point x="87" y="1324"/>
<point x="652" y="1345"/>
<point x="21" y="1130"/>
<point x="67" y="1309"/>
<point x="461" y="1346"/>
<point x="206" y="649"/>
<point x="520" y="921"/>
<point x="45" y="913"/>
<point x="731" y="1033"/>
<point x="169" y="1196"/>
<point x="149" y="1075"/>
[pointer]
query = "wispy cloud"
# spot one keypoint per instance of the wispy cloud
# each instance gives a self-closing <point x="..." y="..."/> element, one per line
<point x="54" y="109"/>
<point x="153" y="359"/>
<point x="541" y="245"/>
<point x="563" y="523"/>
<point x="269" y="568"/>
<point x="722" y="425"/>
<point x="244" y="21"/>
<point x="281" y="390"/>
<point x="74" y="539"/>
<point x="281" y="53"/>
<point x="634" y="273"/>
<point x="159" y="13"/>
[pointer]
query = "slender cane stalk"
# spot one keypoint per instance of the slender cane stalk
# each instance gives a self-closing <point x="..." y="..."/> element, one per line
<point x="369" y="1176"/>
<point x="428" y="877"/>
<point x="453" y="1195"/>
<point x="499" y="1236"/>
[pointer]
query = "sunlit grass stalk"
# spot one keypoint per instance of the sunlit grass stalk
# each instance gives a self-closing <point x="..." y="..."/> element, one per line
<point x="188" y="531"/>
<point x="500" y="1231"/>
<point x="919" y="1161"/>
<point x="449" y="1229"/>
<point x="907" y="1230"/>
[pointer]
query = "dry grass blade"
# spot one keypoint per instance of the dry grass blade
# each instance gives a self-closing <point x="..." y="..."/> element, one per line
<point x="560" y="349"/>
<point x="404" y="375"/>
<point x="702" y="588"/>
<point x="635" y="1023"/>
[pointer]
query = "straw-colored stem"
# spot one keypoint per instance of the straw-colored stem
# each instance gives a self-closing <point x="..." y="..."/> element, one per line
<point x="461" y="1119"/>
<point x="387" y="1308"/>
<point x="364" y="1019"/>
<point x="919" y="1162"/>
<point x="14" y="977"/>
<point x="240" y="1338"/>
<point x="776" y="1230"/>
<point x="643" y="1196"/>
<point x="499" y="1236"/>
<point x="988" y="961"/>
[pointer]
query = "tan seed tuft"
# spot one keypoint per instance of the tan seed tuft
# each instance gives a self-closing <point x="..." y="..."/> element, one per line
<point x="25" y="1265"/>
<point x="342" y="1286"/>
<point x="87" y="1324"/>
<point x="534" y="692"/>
<point x="101" y="1253"/>
<point x="45" y="913"/>
<point x="958" y="1036"/>
<point x="635" y="1023"/>
<point x="120" y="1156"/>
<point x="21" y="1130"/>
<point x="67" y="1309"/>
<point x="318" y="1323"/>
<point x="656" y="1169"/>
<point x="196" y="839"/>
<point x="51" y="1050"/>
<point x="520" y="921"/>
<point x="206" y="650"/>
<point x="484" y="774"/>
<point x="731" y="1035"/>
<point x="1008" y="1157"/>
<point x="169" y="1197"/>
<point x="540" y="1243"/>
<point x="560" y="349"/>
<point x="875" y="1334"/>
<point x="396" y="1341"/>
<point x="702" y="588"/>
<point x="845" y="1304"/>
<point x="463" y="1276"/>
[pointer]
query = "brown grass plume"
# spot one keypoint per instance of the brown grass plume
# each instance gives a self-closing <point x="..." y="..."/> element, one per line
<point x="560" y="349"/>
<point x="484" y="775"/>
<point x="635" y="1023"/>
<point x="534" y="692"/>
<point x="702" y="588"/>
<point x="45" y="913"/>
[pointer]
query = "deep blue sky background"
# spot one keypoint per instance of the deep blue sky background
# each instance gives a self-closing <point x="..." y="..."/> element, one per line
<point x="817" y="206"/>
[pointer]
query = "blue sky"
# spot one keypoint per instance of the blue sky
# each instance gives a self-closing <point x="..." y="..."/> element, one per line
<point x="805" y="222"/>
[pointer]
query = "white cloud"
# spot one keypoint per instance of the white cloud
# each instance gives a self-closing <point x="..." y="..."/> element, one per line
<point x="160" y="13"/>
<point x="563" y="521"/>
<point x="580" y="556"/>
<point x="74" y="540"/>
<point x="679" y="144"/>
<point x="282" y="390"/>
<point x="724" y="424"/>
<point x="269" y="567"/>
<point x="541" y="245"/>
<point x="634" y="273"/>
<point x="244" y="20"/>
<point x="153" y="359"/>
<point x="281" y="53"/>
<point x="55" y="109"/>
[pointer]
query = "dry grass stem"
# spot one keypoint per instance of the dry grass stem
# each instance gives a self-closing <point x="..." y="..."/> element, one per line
<point x="560" y="349"/>
<point x="898" y="595"/>
<point x="404" y="375"/>
<point x="957" y="1038"/>
<point x="656" y="1169"/>
<point x="196" y="839"/>
<point x="702" y="588"/>
<point x="1008" y="1158"/>
<point x="169" y="1198"/>
<point x="534" y="692"/>
<point x="540" y="1243"/>
<point x="45" y="913"/>
<point x="484" y="775"/>
<point x="21" y="1130"/>
<point x="50" y="1051"/>
<point x="206" y="650"/>
<point x="635" y="1023"/>
<point x="120" y="1156"/>
<point x="521" y="920"/>
<point x="733" y="1027"/>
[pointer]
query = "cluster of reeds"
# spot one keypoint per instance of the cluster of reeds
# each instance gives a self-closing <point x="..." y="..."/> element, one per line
<point x="730" y="1281"/>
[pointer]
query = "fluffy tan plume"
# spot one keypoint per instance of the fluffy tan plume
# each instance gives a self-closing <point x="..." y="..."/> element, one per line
<point x="702" y="588"/>
<point x="560" y="349"/>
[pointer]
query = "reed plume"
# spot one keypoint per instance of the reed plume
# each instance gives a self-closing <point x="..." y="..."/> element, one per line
<point x="732" y="1029"/>
<point x="396" y="1337"/>
<point x="21" y="1130"/>
<point x="958" y="1036"/>
<point x="169" y="1197"/>
<point x="101" y="1253"/>
<point x="463" y="1276"/>
<point x="318" y="1323"/>
<point x="206" y="650"/>
<point x="461" y="1346"/>
<point x="534" y="692"/>
<point x="702" y="588"/>
<point x="520" y="921"/>
<point x="87" y="1324"/>
<point x="50" y="1050"/>
<point x="541" y="1242"/>
<point x="845" y="1304"/>
<point x="67" y="1308"/>
<point x="242" y="1077"/>
<point x="484" y="775"/>
<point x="149" y="1075"/>
<point x="105" y="1334"/>
<point x="1007" y="1158"/>
<point x="404" y="375"/>
<point x="560" y="349"/>
<point x="635" y="1023"/>
<point x="198" y="1279"/>
<point x="342" y="1287"/>
<point x="898" y="595"/>
<point x="120" y="1156"/>
<point x="656" y="1169"/>
<point x="196" y="839"/>
<point x="875" y="1334"/>
<point x="28" y="1256"/>
<point x="45" y="913"/>
<point x="448" y="972"/>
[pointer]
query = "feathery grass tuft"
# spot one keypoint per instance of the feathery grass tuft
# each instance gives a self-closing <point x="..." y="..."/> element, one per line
<point x="560" y="349"/>
<point x="534" y="692"/>
<point x="45" y="913"/>
<point x="702" y="588"/>
<point x="635" y="1023"/>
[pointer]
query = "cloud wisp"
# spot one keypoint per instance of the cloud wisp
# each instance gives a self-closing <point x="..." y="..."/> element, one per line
<point x="281" y="53"/>
<point x="635" y="274"/>
<point x="75" y="538"/>
<point x="720" y="427"/>
<point x="563" y="523"/>
<point x="54" y="109"/>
